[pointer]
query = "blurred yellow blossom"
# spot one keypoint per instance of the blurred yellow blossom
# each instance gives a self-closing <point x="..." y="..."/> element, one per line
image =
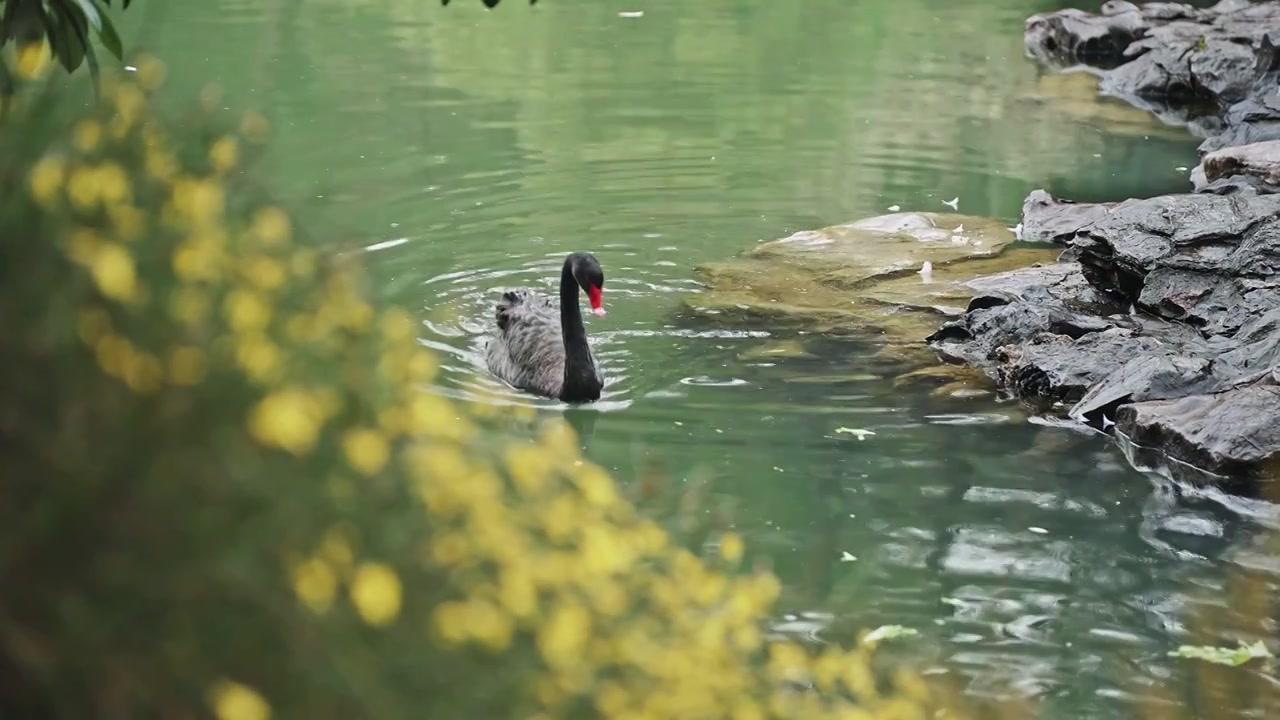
<point x="563" y="636"/>
<point x="82" y="188"/>
<point x="113" y="184"/>
<point x="234" y="701"/>
<point x="264" y="272"/>
<point x="367" y="450"/>
<point x="92" y="324"/>
<point x="46" y="179"/>
<point x="114" y="273"/>
<point x="315" y="584"/>
<point x="289" y="419"/>
<point x="271" y="226"/>
<point x="247" y="310"/>
<point x="87" y="136"/>
<point x="151" y="72"/>
<point x="129" y="102"/>
<point x="223" y="154"/>
<point x="33" y="59"/>
<point x="336" y="547"/>
<point x="143" y="372"/>
<point x="259" y="357"/>
<point x="731" y="548"/>
<point x="375" y="593"/>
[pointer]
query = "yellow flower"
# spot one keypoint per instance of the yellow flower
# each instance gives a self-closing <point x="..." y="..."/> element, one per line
<point x="92" y="324"/>
<point x="428" y="413"/>
<point x="233" y="701"/>
<point x="151" y="72"/>
<point x="33" y="59"/>
<point x="113" y="352"/>
<point x="264" y="272"/>
<point x="528" y="467"/>
<point x="367" y="450"/>
<point x="200" y="257"/>
<point x="258" y="357"/>
<point x="199" y="201"/>
<point x="143" y="373"/>
<point x="731" y="548"/>
<point x="187" y="365"/>
<point x="288" y="419"/>
<point x="375" y="593"/>
<point x="517" y="592"/>
<point x="129" y="102"/>
<point x="487" y="624"/>
<point x="336" y="547"/>
<point x="113" y="184"/>
<point x="596" y="486"/>
<point x="82" y="188"/>
<point x="46" y="179"/>
<point x="86" y="136"/>
<point x="113" y="272"/>
<point x="160" y="164"/>
<point x="303" y="263"/>
<point x="315" y="584"/>
<point x="271" y="226"/>
<point x="396" y="326"/>
<point x="247" y="310"/>
<point x="223" y="154"/>
<point x="563" y="637"/>
<point x="450" y="622"/>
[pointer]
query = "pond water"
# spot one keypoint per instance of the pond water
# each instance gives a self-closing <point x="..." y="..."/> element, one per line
<point x="470" y="150"/>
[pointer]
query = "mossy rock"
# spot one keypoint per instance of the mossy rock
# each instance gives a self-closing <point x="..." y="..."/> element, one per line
<point x="861" y="278"/>
<point x="938" y="376"/>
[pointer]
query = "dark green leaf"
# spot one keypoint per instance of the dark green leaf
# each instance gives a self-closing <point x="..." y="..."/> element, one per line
<point x="6" y="83"/>
<point x="90" y="12"/>
<point x="93" y="66"/>
<point x="110" y="38"/>
<point x="23" y="21"/>
<point x="68" y="36"/>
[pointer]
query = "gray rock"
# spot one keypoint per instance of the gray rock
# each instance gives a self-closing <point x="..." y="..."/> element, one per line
<point x="1257" y="164"/>
<point x="1214" y="69"/>
<point x="1049" y="219"/>
<point x="1232" y="433"/>
<point x="1172" y="298"/>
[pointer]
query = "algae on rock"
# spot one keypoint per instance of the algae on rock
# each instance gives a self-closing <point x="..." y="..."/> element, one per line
<point x="862" y="278"/>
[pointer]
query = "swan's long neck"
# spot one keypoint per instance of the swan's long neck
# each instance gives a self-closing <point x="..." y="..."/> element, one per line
<point x="579" y="366"/>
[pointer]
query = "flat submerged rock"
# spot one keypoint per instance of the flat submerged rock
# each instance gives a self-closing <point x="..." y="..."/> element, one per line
<point x="862" y="280"/>
<point x="861" y="277"/>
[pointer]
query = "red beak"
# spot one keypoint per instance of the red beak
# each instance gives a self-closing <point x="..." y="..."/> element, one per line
<point x="594" y="294"/>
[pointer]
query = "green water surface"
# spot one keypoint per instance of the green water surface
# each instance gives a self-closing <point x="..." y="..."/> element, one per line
<point x="470" y="150"/>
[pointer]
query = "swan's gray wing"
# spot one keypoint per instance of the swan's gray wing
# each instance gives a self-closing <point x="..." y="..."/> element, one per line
<point x="528" y="349"/>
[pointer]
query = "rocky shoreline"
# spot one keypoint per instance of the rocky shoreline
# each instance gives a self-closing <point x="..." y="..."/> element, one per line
<point x="1160" y="320"/>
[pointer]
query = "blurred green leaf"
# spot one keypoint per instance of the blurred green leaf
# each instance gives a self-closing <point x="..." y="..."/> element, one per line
<point x="67" y="36"/>
<point x="110" y="38"/>
<point x="1222" y="655"/>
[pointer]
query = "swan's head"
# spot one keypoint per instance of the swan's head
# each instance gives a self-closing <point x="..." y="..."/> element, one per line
<point x="590" y="276"/>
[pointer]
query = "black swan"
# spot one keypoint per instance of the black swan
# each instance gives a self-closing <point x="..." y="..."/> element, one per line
<point x="536" y="351"/>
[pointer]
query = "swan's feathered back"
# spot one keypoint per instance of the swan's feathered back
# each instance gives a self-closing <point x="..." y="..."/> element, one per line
<point x="528" y="350"/>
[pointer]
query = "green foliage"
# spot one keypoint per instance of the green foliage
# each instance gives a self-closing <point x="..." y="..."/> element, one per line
<point x="65" y="26"/>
